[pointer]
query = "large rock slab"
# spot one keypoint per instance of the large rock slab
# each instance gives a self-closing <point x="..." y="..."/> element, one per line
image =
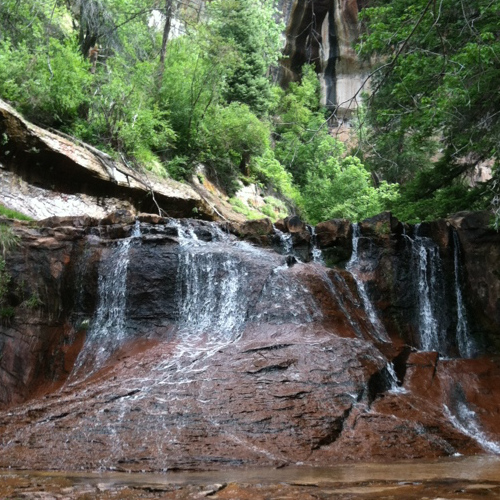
<point x="45" y="174"/>
<point x="171" y="345"/>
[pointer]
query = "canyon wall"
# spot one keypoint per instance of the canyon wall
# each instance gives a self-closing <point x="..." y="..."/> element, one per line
<point x="323" y="33"/>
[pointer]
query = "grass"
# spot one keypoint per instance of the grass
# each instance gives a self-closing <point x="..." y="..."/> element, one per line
<point x="12" y="214"/>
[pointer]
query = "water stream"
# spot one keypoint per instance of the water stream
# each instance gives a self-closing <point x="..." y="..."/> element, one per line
<point x="431" y="294"/>
<point x="465" y="420"/>
<point x="108" y="328"/>
<point x="354" y="266"/>
<point x="465" y="343"/>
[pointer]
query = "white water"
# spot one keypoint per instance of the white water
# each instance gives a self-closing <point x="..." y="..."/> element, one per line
<point x="465" y="343"/>
<point x="430" y="298"/>
<point x="317" y="256"/>
<point x="211" y="292"/>
<point x="286" y="242"/>
<point x="466" y="422"/>
<point x="284" y="300"/>
<point x="107" y="329"/>
<point x="393" y="380"/>
<point x="354" y="267"/>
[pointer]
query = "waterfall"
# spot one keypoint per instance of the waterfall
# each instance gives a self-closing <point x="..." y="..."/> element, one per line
<point x="395" y="388"/>
<point x="465" y="343"/>
<point x="286" y="242"/>
<point x="431" y="294"/>
<point x="107" y="330"/>
<point x="285" y="300"/>
<point x="354" y="267"/>
<point x="465" y="420"/>
<point x="317" y="256"/>
<point x="211" y="292"/>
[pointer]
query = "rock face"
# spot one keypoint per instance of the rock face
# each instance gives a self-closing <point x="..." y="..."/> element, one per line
<point x="45" y="174"/>
<point x="323" y="33"/>
<point x="154" y="344"/>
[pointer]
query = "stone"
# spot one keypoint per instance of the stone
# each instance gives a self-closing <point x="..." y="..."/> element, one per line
<point x="46" y="174"/>
<point x="118" y="217"/>
<point x="225" y="356"/>
<point x="294" y="224"/>
<point x="256" y="231"/>
<point x="480" y="257"/>
<point x="334" y="238"/>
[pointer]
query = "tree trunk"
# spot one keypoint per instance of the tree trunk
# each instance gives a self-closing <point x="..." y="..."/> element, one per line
<point x="166" y="33"/>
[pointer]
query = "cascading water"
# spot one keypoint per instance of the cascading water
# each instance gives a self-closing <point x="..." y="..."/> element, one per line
<point x="465" y="420"/>
<point x="395" y="388"/>
<point x="465" y="343"/>
<point x="284" y="300"/>
<point x="431" y="294"/>
<point x="354" y="267"/>
<point x="107" y="330"/>
<point x="211" y="292"/>
<point x="286" y="243"/>
<point x="317" y="256"/>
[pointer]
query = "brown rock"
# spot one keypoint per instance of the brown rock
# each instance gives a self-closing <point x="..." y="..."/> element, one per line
<point x="293" y="224"/>
<point x="334" y="238"/>
<point x="118" y="217"/>
<point x="224" y="357"/>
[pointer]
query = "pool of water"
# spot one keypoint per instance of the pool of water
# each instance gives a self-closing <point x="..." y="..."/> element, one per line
<point x="457" y="477"/>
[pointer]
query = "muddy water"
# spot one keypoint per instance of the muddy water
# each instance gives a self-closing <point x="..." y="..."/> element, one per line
<point x="457" y="478"/>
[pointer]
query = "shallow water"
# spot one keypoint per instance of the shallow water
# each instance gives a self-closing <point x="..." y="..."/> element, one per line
<point x="458" y="477"/>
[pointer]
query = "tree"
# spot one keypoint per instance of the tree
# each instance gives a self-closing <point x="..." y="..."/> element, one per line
<point x="341" y="187"/>
<point x="435" y="106"/>
<point x="250" y="27"/>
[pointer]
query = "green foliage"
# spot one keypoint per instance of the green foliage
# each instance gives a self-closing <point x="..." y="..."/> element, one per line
<point x="269" y="170"/>
<point x="212" y="102"/>
<point x="13" y="214"/>
<point x="194" y="78"/>
<point x="49" y="88"/>
<point x="34" y="302"/>
<point x="4" y="281"/>
<point x="342" y="188"/>
<point x="300" y="126"/>
<point x="230" y="136"/>
<point x="434" y="98"/>
<point x="123" y="114"/>
<point x="250" y="28"/>
<point x="241" y="208"/>
<point x="8" y="239"/>
<point x="275" y="209"/>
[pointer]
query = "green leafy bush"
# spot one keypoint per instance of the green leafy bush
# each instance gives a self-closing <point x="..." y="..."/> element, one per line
<point x="342" y="188"/>
<point x="50" y="88"/>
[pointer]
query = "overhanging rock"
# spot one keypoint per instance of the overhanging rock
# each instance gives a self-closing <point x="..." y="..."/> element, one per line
<point x="45" y="174"/>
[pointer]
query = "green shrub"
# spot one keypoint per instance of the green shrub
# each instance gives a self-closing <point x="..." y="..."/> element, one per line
<point x="8" y="239"/>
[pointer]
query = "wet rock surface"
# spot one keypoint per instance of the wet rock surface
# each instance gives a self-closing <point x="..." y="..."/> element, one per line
<point x="159" y="344"/>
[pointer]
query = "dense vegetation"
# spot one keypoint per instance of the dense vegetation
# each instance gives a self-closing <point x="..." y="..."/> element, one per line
<point x="434" y="114"/>
<point x="170" y="84"/>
